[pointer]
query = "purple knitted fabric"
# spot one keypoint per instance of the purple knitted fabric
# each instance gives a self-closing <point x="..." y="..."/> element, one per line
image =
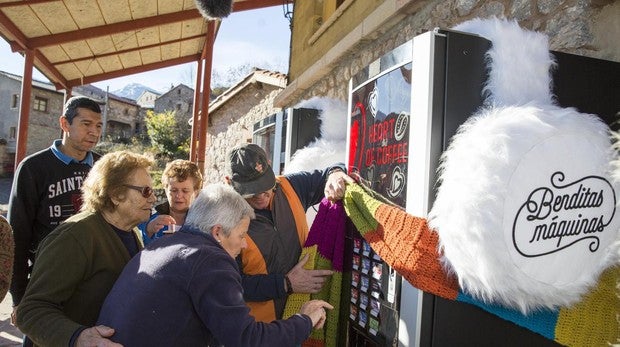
<point x="328" y="232"/>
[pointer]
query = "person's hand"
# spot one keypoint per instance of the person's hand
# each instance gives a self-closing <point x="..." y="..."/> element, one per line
<point x="336" y="185"/>
<point x="307" y="281"/>
<point x="96" y="337"/>
<point x="14" y="316"/>
<point x="159" y="222"/>
<point x="315" y="309"/>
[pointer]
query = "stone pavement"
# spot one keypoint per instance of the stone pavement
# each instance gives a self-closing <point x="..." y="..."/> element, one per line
<point x="9" y="335"/>
<point x="5" y="191"/>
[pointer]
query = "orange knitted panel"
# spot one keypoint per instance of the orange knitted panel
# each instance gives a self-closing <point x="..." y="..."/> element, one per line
<point x="412" y="250"/>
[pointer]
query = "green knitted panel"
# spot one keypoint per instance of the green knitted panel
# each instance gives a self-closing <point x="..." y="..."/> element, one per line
<point x="296" y="300"/>
<point x="331" y="293"/>
<point x="361" y="207"/>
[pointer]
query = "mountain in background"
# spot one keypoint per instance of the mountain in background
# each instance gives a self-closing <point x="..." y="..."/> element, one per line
<point x="133" y="91"/>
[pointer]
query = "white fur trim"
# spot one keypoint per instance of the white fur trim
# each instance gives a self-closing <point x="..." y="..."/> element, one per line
<point x="468" y="210"/>
<point x="333" y="114"/>
<point x="487" y="150"/>
<point x="330" y="148"/>
<point x="519" y="62"/>
<point x="317" y="155"/>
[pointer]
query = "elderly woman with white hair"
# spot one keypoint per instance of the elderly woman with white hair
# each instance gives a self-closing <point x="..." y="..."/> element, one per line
<point x="195" y="274"/>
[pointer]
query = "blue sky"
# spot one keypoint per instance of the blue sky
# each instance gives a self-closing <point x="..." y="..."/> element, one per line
<point x="259" y="37"/>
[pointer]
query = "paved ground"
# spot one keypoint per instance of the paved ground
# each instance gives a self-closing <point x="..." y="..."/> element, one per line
<point x="5" y="190"/>
<point x="9" y="335"/>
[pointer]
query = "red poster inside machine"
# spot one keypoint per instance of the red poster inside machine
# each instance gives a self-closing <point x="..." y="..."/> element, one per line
<point x="379" y="134"/>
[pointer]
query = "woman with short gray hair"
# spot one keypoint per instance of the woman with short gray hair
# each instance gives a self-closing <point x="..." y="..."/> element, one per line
<point x="195" y="273"/>
<point x="219" y="205"/>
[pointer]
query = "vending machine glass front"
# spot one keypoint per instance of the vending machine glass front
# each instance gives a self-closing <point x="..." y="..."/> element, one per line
<point x="378" y="145"/>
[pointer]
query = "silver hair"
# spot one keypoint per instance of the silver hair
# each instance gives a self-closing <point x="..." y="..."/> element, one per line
<point x="218" y="204"/>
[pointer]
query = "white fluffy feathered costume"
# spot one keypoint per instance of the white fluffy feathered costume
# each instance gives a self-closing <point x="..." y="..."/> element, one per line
<point x="330" y="148"/>
<point x="522" y="141"/>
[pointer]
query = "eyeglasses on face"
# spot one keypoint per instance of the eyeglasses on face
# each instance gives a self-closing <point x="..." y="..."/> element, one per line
<point x="146" y="191"/>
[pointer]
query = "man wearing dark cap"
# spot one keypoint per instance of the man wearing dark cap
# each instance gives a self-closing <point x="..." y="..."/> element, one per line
<point x="46" y="187"/>
<point x="270" y="264"/>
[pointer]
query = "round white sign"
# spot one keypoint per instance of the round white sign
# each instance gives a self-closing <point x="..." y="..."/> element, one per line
<point x="558" y="213"/>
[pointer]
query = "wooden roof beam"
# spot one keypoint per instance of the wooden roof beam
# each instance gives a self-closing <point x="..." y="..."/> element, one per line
<point x="237" y="6"/>
<point x="50" y="71"/>
<point x="109" y="29"/>
<point x="7" y="26"/>
<point x="133" y="70"/>
<point x="129" y="50"/>
<point x="20" y="44"/>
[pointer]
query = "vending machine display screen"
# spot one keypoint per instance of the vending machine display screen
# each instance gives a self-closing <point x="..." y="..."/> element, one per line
<point x="378" y="146"/>
<point x="379" y="133"/>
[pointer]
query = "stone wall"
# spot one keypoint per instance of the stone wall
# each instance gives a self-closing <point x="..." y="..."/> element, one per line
<point x="121" y="119"/>
<point x="4" y="158"/>
<point x="179" y="99"/>
<point x="232" y="124"/>
<point x="8" y="115"/>
<point x="589" y="28"/>
<point x="44" y="127"/>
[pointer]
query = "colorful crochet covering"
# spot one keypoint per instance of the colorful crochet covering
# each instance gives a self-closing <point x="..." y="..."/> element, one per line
<point x="404" y="242"/>
<point x="325" y="247"/>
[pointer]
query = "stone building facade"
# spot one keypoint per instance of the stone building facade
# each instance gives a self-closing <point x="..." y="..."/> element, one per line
<point x="233" y="114"/>
<point x="121" y="115"/>
<point x="179" y="99"/>
<point x="5" y="168"/>
<point x="123" y="119"/>
<point x="147" y="99"/>
<point x="45" y="107"/>
<point x="328" y="50"/>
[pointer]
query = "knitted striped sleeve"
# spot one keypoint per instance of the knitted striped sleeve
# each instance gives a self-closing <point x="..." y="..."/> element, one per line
<point x="325" y="248"/>
<point x="405" y="243"/>
<point x="401" y="240"/>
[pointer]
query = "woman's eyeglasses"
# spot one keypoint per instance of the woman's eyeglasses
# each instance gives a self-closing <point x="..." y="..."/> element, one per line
<point x="146" y="191"/>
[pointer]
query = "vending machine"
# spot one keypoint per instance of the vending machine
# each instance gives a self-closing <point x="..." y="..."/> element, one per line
<point x="380" y="102"/>
<point x="403" y="110"/>
<point x="281" y="134"/>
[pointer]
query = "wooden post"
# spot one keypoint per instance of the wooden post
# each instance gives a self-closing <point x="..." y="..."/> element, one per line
<point x="196" y="114"/>
<point x="206" y="93"/>
<point x="24" y="109"/>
